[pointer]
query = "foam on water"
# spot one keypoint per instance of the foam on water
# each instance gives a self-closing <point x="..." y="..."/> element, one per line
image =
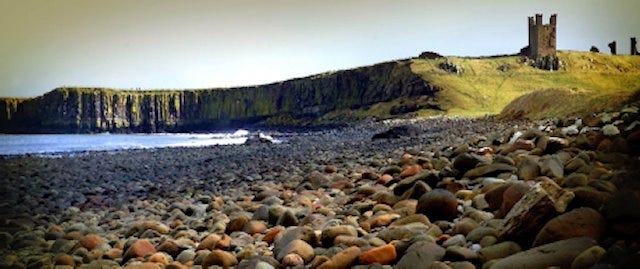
<point x="43" y="144"/>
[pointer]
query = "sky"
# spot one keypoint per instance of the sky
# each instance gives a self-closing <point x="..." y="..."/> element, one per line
<point x="181" y="44"/>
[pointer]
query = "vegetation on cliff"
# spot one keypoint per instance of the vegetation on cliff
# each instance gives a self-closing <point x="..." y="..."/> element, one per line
<point x="586" y="82"/>
<point x="291" y="102"/>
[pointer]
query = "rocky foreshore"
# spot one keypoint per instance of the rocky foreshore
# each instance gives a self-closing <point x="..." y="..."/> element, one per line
<point x="441" y="193"/>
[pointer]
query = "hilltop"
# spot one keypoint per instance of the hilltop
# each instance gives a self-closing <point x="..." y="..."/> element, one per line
<point x="508" y="85"/>
<point x="452" y="86"/>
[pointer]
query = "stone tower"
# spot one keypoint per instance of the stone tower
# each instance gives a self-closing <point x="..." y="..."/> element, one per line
<point x="542" y="37"/>
<point x="634" y="46"/>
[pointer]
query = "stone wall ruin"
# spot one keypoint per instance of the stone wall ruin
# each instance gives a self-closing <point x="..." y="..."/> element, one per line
<point x="542" y="43"/>
<point x="542" y="37"/>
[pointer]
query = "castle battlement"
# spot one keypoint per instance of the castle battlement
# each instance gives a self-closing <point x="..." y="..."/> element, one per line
<point x="542" y="37"/>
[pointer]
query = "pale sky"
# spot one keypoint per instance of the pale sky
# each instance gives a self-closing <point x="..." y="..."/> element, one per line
<point x="153" y="44"/>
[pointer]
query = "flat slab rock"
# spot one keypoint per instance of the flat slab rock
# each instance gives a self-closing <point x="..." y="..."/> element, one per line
<point x="537" y="206"/>
<point x="559" y="253"/>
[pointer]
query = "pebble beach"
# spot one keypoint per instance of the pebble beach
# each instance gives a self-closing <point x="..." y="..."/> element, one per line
<point x="433" y="193"/>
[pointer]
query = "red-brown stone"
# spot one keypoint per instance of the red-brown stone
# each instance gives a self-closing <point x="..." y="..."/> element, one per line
<point x="382" y="255"/>
<point x="140" y="248"/>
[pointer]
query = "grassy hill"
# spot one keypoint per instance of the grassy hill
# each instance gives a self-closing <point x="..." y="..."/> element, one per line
<point x="456" y="86"/>
<point x="510" y="86"/>
<point x="585" y="82"/>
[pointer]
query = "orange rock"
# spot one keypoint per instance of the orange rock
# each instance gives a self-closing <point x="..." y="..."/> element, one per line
<point x="341" y="185"/>
<point x="485" y="151"/>
<point x="255" y="227"/>
<point x="209" y="242"/>
<point x="90" y="241"/>
<point x="330" y="169"/>
<point x="236" y="223"/>
<point x="139" y="249"/>
<point x="272" y="233"/>
<point x="113" y="253"/>
<point x="159" y="257"/>
<point x="287" y="195"/>
<point x="221" y="258"/>
<point x="225" y="242"/>
<point x="218" y="201"/>
<point x="411" y="171"/>
<point x="145" y="265"/>
<point x="382" y="220"/>
<point x="382" y="255"/>
<point x="170" y="247"/>
<point x="406" y="158"/>
<point x="523" y="144"/>
<point x="385" y="179"/>
<point x="65" y="259"/>
<point x="156" y="226"/>
<point x="442" y="238"/>
<point x="175" y="223"/>
<point x="344" y="259"/>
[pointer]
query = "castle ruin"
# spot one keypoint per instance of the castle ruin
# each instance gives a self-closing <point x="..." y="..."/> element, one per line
<point x="542" y="43"/>
<point x="634" y="46"/>
<point x="612" y="47"/>
<point x="542" y="37"/>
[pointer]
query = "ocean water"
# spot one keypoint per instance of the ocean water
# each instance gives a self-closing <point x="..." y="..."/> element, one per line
<point x="49" y="144"/>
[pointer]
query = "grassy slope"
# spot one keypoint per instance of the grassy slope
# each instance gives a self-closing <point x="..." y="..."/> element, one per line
<point x="586" y="82"/>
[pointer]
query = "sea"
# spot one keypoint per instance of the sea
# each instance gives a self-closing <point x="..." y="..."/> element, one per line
<point x="54" y="144"/>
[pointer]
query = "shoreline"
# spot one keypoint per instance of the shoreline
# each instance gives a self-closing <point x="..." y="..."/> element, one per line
<point x="315" y="181"/>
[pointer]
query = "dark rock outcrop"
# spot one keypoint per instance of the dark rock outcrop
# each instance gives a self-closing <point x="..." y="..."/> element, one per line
<point x="81" y="110"/>
<point x="430" y="55"/>
<point x="398" y="132"/>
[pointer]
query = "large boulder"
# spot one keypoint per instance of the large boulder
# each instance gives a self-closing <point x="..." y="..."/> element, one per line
<point x="579" y="222"/>
<point x="421" y="253"/>
<point x="558" y="254"/>
<point x="539" y="204"/>
<point x="438" y="204"/>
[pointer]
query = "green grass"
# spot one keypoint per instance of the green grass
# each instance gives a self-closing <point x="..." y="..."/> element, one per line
<point x="383" y="110"/>
<point x="506" y="85"/>
<point x="586" y="82"/>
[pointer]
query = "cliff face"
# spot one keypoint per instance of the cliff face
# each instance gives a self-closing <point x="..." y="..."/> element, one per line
<point x="77" y="110"/>
<point x="8" y="107"/>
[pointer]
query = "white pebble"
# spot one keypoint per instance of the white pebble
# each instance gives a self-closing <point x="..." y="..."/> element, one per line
<point x="610" y="130"/>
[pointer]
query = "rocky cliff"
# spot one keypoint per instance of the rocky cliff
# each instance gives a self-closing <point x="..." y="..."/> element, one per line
<point x="80" y="110"/>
